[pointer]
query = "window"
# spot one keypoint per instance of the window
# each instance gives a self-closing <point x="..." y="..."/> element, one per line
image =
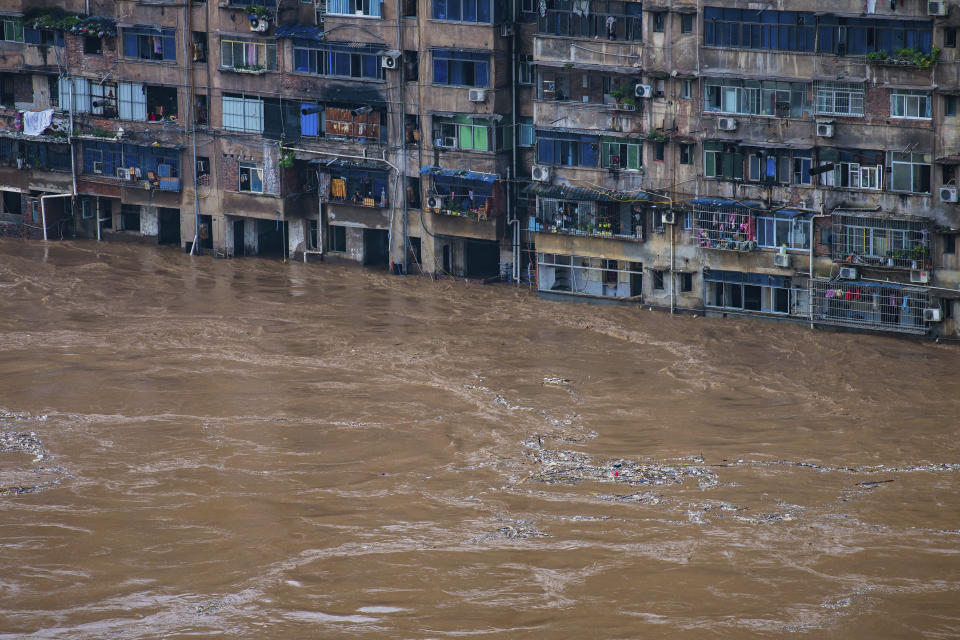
<point x="567" y="149"/>
<point x="860" y="36"/>
<point x="251" y="178"/>
<point x="751" y="29"/>
<point x="754" y="97"/>
<point x="149" y="43"/>
<point x="659" y="150"/>
<point x="853" y="168"/>
<point x="779" y="230"/>
<point x="911" y="171"/>
<point x="950" y="106"/>
<point x="411" y="66"/>
<point x="524" y="69"/>
<point x="338" y="239"/>
<point x="527" y="137"/>
<point x="686" y="22"/>
<point x="461" y="68"/>
<point x="659" y="20"/>
<point x="686" y="88"/>
<point x="781" y="166"/>
<point x="248" y="55"/>
<point x="130" y="217"/>
<point x="622" y="155"/>
<point x="722" y="160"/>
<point x="242" y="114"/>
<point x="591" y="19"/>
<point x="463" y="132"/>
<point x="949" y="243"/>
<point x="686" y="154"/>
<point x="753" y="292"/>
<point x="369" y="8"/>
<point x="360" y="187"/>
<point x="203" y="167"/>
<point x="686" y="282"/>
<point x="92" y="46"/>
<point x="43" y="37"/>
<point x="12" y="29"/>
<point x="200" y="109"/>
<point x="409" y="8"/>
<point x="462" y="10"/>
<point x="910" y="104"/>
<point x="840" y="98"/>
<point x="340" y="60"/>
<point x="880" y="241"/>
<point x="687" y="220"/>
<point x="657" y="279"/>
<point x="949" y="37"/>
<point x="199" y="46"/>
<point x="311" y="118"/>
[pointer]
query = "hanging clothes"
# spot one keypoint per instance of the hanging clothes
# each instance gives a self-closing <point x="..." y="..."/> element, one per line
<point x="871" y="6"/>
<point x="157" y="45"/>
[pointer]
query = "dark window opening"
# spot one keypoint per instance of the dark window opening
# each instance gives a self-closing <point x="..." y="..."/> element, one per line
<point x="200" y="109"/>
<point x="199" y="46"/>
<point x="948" y="173"/>
<point x="659" y="151"/>
<point x="950" y="243"/>
<point x="411" y="66"/>
<point x="413" y="193"/>
<point x="12" y="203"/>
<point x="949" y="37"/>
<point x="312" y="235"/>
<point x="950" y="105"/>
<point x="411" y="127"/>
<point x="338" y="239"/>
<point x="686" y="282"/>
<point x="659" y="21"/>
<point x="686" y="154"/>
<point x="130" y="217"/>
<point x="7" y="93"/>
<point x="148" y="43"/>
<point x="203" y="167"/>
<point x="409" y="8"/>
<point x="686" y="23"/>
<point x="657" y="280"/>
<point x="161" y="103"/>
<point x="93" y="46"/>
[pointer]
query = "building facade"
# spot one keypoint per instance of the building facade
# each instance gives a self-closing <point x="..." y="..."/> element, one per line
<point x="794" y="161"/>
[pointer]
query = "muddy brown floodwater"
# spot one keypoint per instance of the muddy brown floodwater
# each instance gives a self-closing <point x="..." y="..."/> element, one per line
<point x="250" y="449"/>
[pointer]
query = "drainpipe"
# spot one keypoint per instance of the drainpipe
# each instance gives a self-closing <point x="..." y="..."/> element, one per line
<point x="43" y="208"/>
<point x="512" y="173"/>
<point x="672" y="278"/>
<point x="403" y="132"/>
<point x="98" y="218"/>
<point x="188" y="122"/>
<point x="319" y="220"/>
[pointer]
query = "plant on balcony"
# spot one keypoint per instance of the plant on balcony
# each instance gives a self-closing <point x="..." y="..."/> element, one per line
<point x="906" y="56"/>
<point x="618" y="94"/>
<point x="52" y="19"/>
<point x="256" y="12"/>
<point x="629" y="102"/>
<point x="286" y="159"/>
<point x="657" y="136"/>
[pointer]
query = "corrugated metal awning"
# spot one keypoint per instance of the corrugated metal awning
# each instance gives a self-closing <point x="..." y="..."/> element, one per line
<point x="460" y="174"/>
<point x="589" y="67"/>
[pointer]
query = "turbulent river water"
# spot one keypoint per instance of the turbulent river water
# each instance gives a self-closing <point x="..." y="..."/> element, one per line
<point x="250" y="449"/>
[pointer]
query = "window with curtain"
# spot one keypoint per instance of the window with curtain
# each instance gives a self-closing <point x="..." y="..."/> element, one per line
<point x="368" y="8"/>
<point x="131" y="101"/>
<point x="910" y="104"/>
<point x="567" y="149"/>
<point x="465" y="132"/>
<point x="461" y="68"/>
<point x="149" y="43"/>
<point x="248" y="54"/>
<point x="339" y="60"/>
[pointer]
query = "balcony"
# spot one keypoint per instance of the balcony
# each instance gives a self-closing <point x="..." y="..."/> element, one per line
<point x="872" y="241"/>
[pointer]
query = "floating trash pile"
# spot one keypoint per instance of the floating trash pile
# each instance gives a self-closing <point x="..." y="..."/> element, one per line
<point x="572" y="467"/>
<point x="515" y="530"/>
<point x="23" y="443"/>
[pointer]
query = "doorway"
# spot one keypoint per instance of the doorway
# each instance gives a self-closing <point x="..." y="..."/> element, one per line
<point x="168" y="223"/>
<point x="238" y="244"/>
<point x="376" y="249"/>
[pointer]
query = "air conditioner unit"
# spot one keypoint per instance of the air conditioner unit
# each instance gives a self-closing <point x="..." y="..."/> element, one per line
<point x="540" y="173"/>
<point x="435" y="203"/>
<point x="824" y="130"/>
<point x="937" y="8"/>
<point x="98" y="167"/>
<point x="932" y="315"/>
<point x="726" y="124"/>
<point x="447" y="143"/>
<point x="390" y="60"/>
<point x="781" y="259"/>
<point x="643" y="91"/>
<point x="123" y="174"/>
<point x="478" y="95"/>
<point x="668" y="217"/>
<point x="848" y="273"/>
<point x="506" y="30"/>
<point x="919" y="276"/>
<point x="260" y="25"/>
<point x="948" y="194"/>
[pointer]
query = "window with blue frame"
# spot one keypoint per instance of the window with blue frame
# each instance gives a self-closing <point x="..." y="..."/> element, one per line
<point x="796" y="31"/>
<point x="363" y="187"/>
<point x="463" y="10"/>
<point x="368" y="8"/>
<point x="601" y="19"/>
<point x="106" y="157"/>
<point x="566" y="149"/>
<point x="752" y="29"/>
<point x="149" y="43"/>
<point x="43" y="37"/>
<point x="338" y="60"/>
<point x="461" y="68"/>
<point x="860" y="36"/>
<point x="311" y="116"/>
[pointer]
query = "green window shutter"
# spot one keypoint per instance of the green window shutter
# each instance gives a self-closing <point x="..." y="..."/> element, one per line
<point x="710" y="164"/>
<point x="481" y="138"/>
<point x="465" y="133"/>
<point x="633" y="156"/>
<point x="606" y="154"/>
<point x="738" y="165"/>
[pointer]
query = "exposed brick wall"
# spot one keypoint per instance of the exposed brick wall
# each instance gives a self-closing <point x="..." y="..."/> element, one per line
<point x="230" y="172"/>
<point x="81" y="63"/>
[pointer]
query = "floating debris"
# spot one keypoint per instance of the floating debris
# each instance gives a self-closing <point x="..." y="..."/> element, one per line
<point x="556" y="380"/>
<point x="515" y="530"/>
<point x="23" y="443"/>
